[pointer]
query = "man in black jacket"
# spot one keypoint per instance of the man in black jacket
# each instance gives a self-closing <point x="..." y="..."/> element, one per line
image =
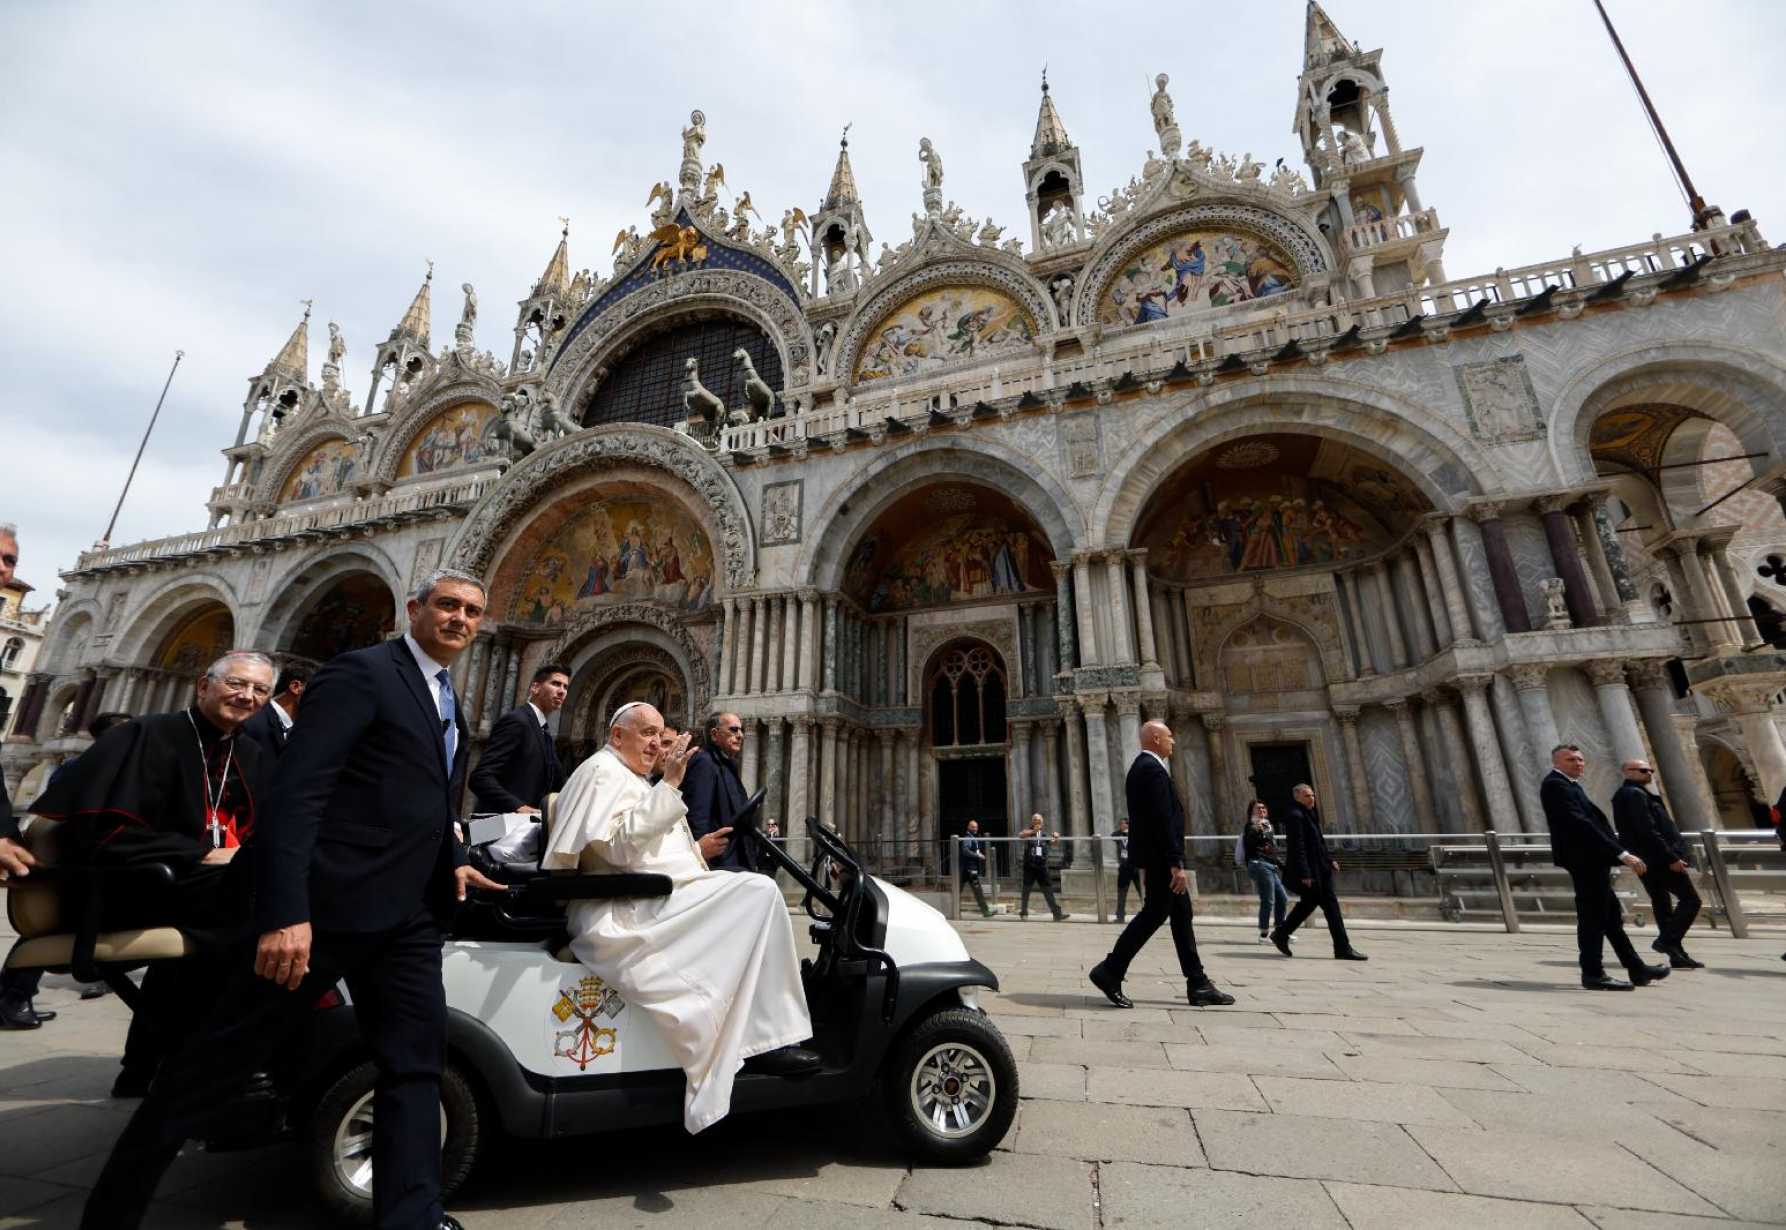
<point x="1647" y="831"/>
<point x="1128" y="875"/>
<point x="1157" y="839"/>
<point x="519" y="767"/>
<point x="355" y="870"/>
<point x="1036" y="872"/>
<point x="973" y="864"/>
<point x="713" y="790"/>
<point x="1583" y="844"/>
<point x="271" y="727"/>
<point x="1310" y="868"/>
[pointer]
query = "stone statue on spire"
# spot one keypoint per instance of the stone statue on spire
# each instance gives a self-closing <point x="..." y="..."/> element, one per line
<point x="933" y="175"/>
<point x="1165" y="122"/>
<point x="468" y="318"/>
<point x="688" y="175"/>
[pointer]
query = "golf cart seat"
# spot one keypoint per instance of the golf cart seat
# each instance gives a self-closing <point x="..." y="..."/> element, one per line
<point x="57" y="909"/>
<point x="531" y="905"/>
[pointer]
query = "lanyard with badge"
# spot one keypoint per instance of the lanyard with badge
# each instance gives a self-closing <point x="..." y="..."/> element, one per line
<point x="213" y="803"/>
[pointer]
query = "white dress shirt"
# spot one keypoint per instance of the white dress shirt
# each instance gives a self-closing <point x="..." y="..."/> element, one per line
<point x="430" y="672"/>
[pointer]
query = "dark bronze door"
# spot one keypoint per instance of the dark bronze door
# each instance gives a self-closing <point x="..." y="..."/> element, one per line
<point x="1277" y="769"/>
<point x="972" y="788"/>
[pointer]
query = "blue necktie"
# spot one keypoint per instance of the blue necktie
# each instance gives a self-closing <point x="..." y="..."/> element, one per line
<point x="449" y="712"/>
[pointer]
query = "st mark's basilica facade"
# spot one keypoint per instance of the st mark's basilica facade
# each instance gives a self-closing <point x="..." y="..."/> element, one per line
<point x="945" y="520"/>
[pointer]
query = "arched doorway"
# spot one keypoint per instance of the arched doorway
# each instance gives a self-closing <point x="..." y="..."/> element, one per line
<point x="617" y="669"/>
<point x="966" y="688"/>
<point x="644" y="383"/>
<point x="1733" y="797"/>
<point x="1272" y="667"/>
<point x="352" y="612"/>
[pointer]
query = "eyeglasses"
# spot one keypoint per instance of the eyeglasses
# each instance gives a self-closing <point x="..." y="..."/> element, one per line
<point x="237" y="684"/>
<point x="736" y="730"/>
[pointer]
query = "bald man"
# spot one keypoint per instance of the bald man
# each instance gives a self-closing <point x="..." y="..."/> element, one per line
<point x="1156" y="843"/>
<point x="713" y="964"/>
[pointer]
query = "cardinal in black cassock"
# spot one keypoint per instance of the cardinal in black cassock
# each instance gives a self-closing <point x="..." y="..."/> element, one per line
<point x="179" y="789"/>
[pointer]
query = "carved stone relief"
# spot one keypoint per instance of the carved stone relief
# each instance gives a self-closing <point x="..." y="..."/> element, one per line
<point x="1499" y="399"/>
<point x="782" y="511"/>
<point x="427" y="559"/>
<point x="1080" y="447"/>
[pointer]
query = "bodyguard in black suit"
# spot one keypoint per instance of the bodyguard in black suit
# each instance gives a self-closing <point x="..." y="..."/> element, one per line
<point x="1648" y="832"/>
<point x="713" y="789"/>
<point x="1583" y="844"/>
<point x="355" y="870"/>
<point x="1309" y="868"/>
<point x="270" y="728"/>
<point x="519" y="767"/>
<point x="1156" y="842"/>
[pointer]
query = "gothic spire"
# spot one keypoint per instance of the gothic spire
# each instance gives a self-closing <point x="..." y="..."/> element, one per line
<point x="556" y="280"/>
<point x="1051" y="135"/>
<point x="293" y="360"/>
<point x="417" y="320"/>
<point x="1321" y="40"/>
<point x="842" y="191"/>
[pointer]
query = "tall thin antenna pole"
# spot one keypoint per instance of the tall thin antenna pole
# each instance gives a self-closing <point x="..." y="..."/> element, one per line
<point x="106" y="538"/>
<point x="1695" y="202"/>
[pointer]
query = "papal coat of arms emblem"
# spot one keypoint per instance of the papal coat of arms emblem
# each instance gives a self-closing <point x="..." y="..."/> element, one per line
<point x="588" y="1002"/>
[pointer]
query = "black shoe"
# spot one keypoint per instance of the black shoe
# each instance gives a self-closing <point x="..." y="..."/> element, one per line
<point x="1204" y="995"/>
<point x="95" y="990"/>
<point x="19" y="1015"/>
<point x="1659" y="945"/>
<point x="44" y="1017"/>
<point x="985" y="913"/>
<point x="1282" y="943"/>
<point x="448" y="1222"/>
<point x="1678" y="959"/>
<point x="1062" y="916"/>
<point x="1643" y="975"/>
<point x="785" y="1061"/>
<point x="1111" y="987"/>
<point x="1351" y="954"/>
<point x="132" y="1084"/>
<point x="1600" y="982"/>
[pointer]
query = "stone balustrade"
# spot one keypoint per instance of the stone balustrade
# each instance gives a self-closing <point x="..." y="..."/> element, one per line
<point x="402" y="505"/>
<point x="1382" y="231"/>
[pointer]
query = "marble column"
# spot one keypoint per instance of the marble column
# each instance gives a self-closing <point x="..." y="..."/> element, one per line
<point x="1143" y="610"/>
<point x="1682" y="782"/>
<point x="1426" y="818"/>
<point x="828" y="675"/>
<point x="1614" y="697"/>
<point x="750" y="767"/>
<point x="1361" y="640"/>
<point x="1097" y="755"/>
<point x="1364" y="820"/>
<point x="728" y="648"/>
<point x="1503" y="817"/>
<point x="472" y="694"/>
<point x="883" y="806"/>
<point x="1457" y="613"/>
<point x="1122" y="619"/>
<point x="1593" y="554"/>
<point x="1168" y="647"/>
<point x="759" y="645"/>
<point x="1128" y="718"/>
<point x="1048" y="785"/>
<point x="1077" y="769"/>
<point x="511" y="678"/>
<point x="1560" y="535"/>
<point x="1457" y="748"/>
<point x="867" y="822"/>
<point x="774" y="773"/>
<point x="1392" y="624"/>
<point x="1724" y="573"/>
<point x="1703" y="603"/>
<point x="1637" y="607"/>
<point x="1227" y="812"/>
<point x="1090" y="651"/>
<point x="808" y="675"/>
<point x="1190" y="646"/>
<point x="1404" y="570"/>
<point x="1063" y="612"/>
<point x="741" y="648"/>
<point x="828" y="772"/>
<point x="1472" y="562"/>
<point x="846" y="783"/>
<point x="1019" y="759"/>
<point x="1431" y="591"/>
<point x="790" y="643"/>
<point x="1532" y="682"/>
<point x="1501" y="571"/>
<point x="1521" y="757"/>
<point x="799" y="788"/>
<point x="493" y="679"/>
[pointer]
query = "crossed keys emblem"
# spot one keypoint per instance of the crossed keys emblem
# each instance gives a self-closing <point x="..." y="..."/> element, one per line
<point x="587" y="1002"/>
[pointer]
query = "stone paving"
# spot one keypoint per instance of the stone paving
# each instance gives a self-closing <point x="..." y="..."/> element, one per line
<point x="1458" y="1079"/>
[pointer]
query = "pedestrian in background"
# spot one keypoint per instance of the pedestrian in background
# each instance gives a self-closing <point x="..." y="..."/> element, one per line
<point x="1265" y="865"/>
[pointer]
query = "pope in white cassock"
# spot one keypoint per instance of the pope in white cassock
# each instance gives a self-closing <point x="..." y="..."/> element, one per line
<point x="713" y="964"/>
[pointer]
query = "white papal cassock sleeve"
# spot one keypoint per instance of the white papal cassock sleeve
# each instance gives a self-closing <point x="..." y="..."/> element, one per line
<point x="607" y="806"/>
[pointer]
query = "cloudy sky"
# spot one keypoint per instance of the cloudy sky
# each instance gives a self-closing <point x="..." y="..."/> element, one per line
<point x="179" y="176"/>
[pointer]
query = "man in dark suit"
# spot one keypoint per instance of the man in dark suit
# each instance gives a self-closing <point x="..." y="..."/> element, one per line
<point x="1310" y="869"/>
<point x="973" y="864"/>
<point x="1128" y="875"/>
<point x="1583" y="844"/>
<point x="713" y="789"/>
<point x="1157" y="840"/>
<point x="18" y="988"/>
<point x="271" y="727"/>
<point x="355" y="870"/>
<point x="519" y="767"/>
<point x="1647" y="831"/>
<point x="1036" y="871"/>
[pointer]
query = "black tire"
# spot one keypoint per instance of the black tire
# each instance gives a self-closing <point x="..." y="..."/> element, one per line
<point x="957" y="1044"/>
<point x="345" y="1110"/>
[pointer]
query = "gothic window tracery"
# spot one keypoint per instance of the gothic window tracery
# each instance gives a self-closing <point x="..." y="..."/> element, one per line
<point x="967" y="698"/>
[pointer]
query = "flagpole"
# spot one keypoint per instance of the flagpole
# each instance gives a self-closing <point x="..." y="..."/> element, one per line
<point x="105" y="539"/>
<point x="1695" y="202"/>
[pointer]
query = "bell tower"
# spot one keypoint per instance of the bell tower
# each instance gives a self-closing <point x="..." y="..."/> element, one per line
<point x="1385" y="235"/>
<point x="1053" y="184"/>
<point x="840" y="235"/>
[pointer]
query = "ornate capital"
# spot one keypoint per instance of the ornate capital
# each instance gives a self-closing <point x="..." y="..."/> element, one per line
<point x="808" y="594"/>
<point x="1649" y="673"/>
<point x="1213" y="722"/>
<point x="1605" y="672"/>
<point x="1399" y="707"/>
<point x="1530" y="676"/>
<point x="1557" y="503"/>
<point x="1346" y="715"/>
<point x="1484" y="511"/>
<point x="1467" y="684"/>
<point x="1127" y="704"/>
<point x="803" y="722"/>
<point x="1433" y="696"/>
<point x="1061" y="571"/>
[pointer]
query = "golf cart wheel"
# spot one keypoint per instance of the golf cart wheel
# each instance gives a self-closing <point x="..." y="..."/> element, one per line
<point x="951" y="1087"/>
<point x="339" y="1140"/>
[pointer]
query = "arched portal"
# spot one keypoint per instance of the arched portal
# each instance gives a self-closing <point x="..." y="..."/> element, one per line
<point x="967" y="737"/>
<point x="948" y="543"/>
<point x="645" y="381"/>
<point x="351" y="612"/>
<point x="1733" y="793"/>
<point x="200" y="638"/>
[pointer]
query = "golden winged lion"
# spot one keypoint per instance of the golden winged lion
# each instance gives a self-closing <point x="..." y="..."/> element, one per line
<point x="677" y="245"/>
